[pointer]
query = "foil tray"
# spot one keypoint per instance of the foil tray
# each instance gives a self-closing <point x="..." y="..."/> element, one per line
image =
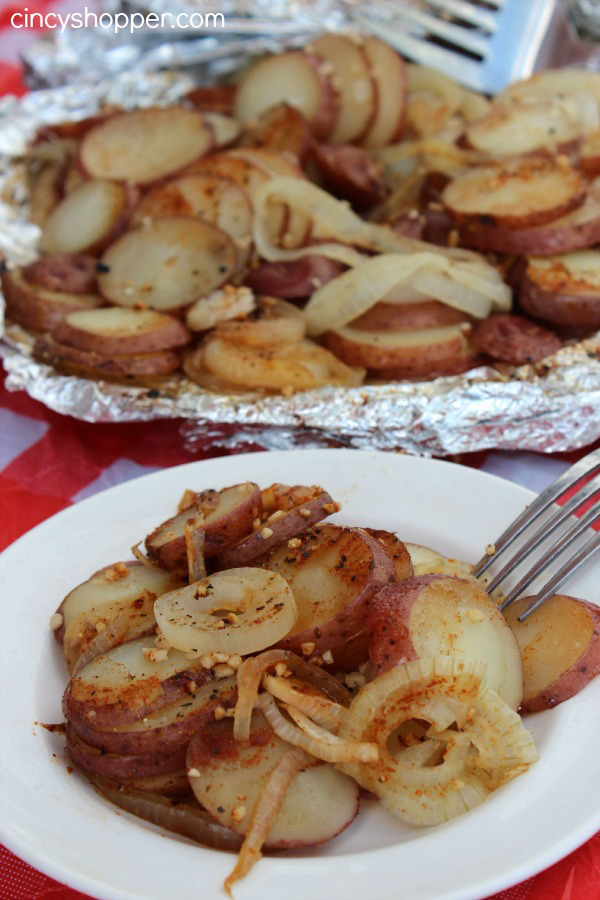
<point x="550" y="407"/>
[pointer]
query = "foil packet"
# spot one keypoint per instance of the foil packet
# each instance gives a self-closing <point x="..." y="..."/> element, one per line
<point x="550" y="407"/>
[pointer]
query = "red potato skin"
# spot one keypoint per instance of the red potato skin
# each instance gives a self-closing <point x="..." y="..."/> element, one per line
<point x="346" y="635"/>
<point x="573" y="310"/>
<point x="131" y="196"/>
<point x="447" y="357"/>
<point x="293" y="280"/>
<point x="408" y="317"/>
<point x="350" y="173"/>
<point x="138" y="700"/>
<point x="172" y="333"/>
<point x="282" y="129"/>
<point x="396" y="550"/>
<point x="219" y="534"/>
<point x="31" y="311"/>
<point x="400" y="84"/>
<point x="98" y="365"/>
<point x="69" y="273"/>
<point x="389" y="638"/>
<point x="454" y="365"/>
<point x="217" y="98"/>
<point x="69" y="129"/>
<point x="288" y="526"/>
<point x="514" y="340"/>
<point x="409" y="225"/>
<point x="122" y="768"/>
<point x="574" y="679"/>
<point x="325" y="118"/>
<point x="155" y="741"/>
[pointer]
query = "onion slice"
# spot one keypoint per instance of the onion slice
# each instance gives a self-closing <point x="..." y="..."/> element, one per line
<point x="260" y="611"/>
<point x="474" y="290"/>
<point x="265" y="812"/>
<point x="312" y="703"/>
<point x="315" y="740"/>
<point x="195" y="540"/>
<point x="180" y="818"/>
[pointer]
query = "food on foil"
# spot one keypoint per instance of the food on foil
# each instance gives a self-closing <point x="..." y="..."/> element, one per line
<point x="336" y="216"/>
<point x="213" y="695"/>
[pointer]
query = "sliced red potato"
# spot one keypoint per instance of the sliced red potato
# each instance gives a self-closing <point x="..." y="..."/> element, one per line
<point x="122" y="768"/>
<point x="116" y="330"/>
<point x="388" y="72"/>
<point x="168" y="728"/>
<point x="89" y="363"/>
<point x="334" y="573"/>
<point x="227" y="777"/>
<point x="564" y="290"/>
<point x="514" y="340"/>
<point x="167" y="264"/>
<point x="216" y="200"/>
<point x="408" y="316"/>
<point x="145" y="145"/>
<point x="440" y="615"/>
<point x="214" y="98"/>
<point x="88" y="219"/>
<point x="510" y="129"/>
<point x="408" y="353"/>
<point x="293" y="280"/>
<point x="299" y="79"/>
<point x="130" y="682"/>
<point x="225" y="129"/>
<point x="518" y="193"/>
<point x="99" y="599"/>
<point x="283" y="129"/>
<point x="300" y="366"/>
<point x="228" y="516"/>
<point x="589" y="155"/>
<point x="274" y="322"/>
<point x="64" y="272"/>
<point x="350" y="173"/>
<point x="352" y="79"/>
<point x="397" y="550"/>
<point x="574" y="231"/>
<point x="39" y="308"/>
<point x="560" y="647"/>
<point x="278" y="528"/>
<point x="70" y="130"/>
<point x="429" y="562"/>
<point x="551" y="83"/>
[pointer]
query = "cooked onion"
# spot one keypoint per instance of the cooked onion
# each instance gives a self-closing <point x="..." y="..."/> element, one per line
<point x="265" y="812"/>
<point x="180" y="818"/>
<point x="135" y="551"/>
<point x="249" y="675"/>
<point x="196" y="618"/>
<point x="445" y="692"/>
<point x="473" y="289"/>
<point x="195" y="539"/>
<point x="278" y="323"/>
<point x="128" y="624"/>
<point x="312" y="703"/>
<point x="314" y="739"/>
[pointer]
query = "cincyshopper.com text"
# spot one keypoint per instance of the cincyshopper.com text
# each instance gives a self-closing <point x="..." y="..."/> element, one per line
<point x="115" y="22"/>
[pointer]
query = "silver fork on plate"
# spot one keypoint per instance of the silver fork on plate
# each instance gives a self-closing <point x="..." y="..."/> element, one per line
<point x="484" y="45"/>
<point x="533" y="529"/>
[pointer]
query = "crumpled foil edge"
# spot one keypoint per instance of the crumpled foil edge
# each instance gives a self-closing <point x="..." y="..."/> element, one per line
<point x="551" y="407"/>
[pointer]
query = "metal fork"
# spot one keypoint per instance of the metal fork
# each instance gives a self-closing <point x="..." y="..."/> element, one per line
<point x="588" y="467"/>
<point x="483" y="45"/>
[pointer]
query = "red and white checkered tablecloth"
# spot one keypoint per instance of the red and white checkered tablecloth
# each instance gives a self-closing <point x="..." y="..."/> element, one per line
<point x="48" y="462"/>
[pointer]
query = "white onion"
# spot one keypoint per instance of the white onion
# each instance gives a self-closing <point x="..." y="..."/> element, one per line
<point x="262" y="603"/>
<point x="312" y="703"/>
<point x="249" y="675"/>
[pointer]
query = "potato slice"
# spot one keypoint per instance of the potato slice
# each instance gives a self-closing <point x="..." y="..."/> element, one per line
<point x="293" y="280"/>
<point x="228" y="517"/>
<point x="275" y="322"/>
<point x="560" y="647"/>
<point x="517" y="193"/>
<point x="69" y="273"/>
<point x="90" y="364"/>
<point x="282" y="128"/>
<point x="408" y="316"/>
<point x="87" y="219"/>
<point x="350" y="173"/>
<point x="168" y="264"/>
<point x="39" y="308"/>
<point x="145" y="145"/>
<point x="429" y="562"/>
<point x="297" y="78"/>
<point x="334" y="573"/>
<point x="386" y="68"/>
<point x="225" y="129"/>
<point x="170" y="727"/>
<point x="116" y="330"/>
<point x="123" y="768"/>
<point x="126" y="684"/>
<point x="440" y="615"/>
<point x="352" y="78"/>
<point x="524" y="127"/>
<point x="397" y="550"/>
<point x="564" y="290"/>
<point x="514" y="340"/>
<point x="222" y="770"/>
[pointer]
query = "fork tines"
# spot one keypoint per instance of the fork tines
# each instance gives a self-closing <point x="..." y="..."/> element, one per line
<point x="560" y="523"/>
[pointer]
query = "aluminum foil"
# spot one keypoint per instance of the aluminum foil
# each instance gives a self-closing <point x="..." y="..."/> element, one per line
<point x="554" y="406"/>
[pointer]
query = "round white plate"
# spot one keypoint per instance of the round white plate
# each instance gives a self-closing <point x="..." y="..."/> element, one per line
<point x="57" y="822"/>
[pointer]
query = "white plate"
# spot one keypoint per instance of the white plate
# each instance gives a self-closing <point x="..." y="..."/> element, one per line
<point x="56" y="821"/>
